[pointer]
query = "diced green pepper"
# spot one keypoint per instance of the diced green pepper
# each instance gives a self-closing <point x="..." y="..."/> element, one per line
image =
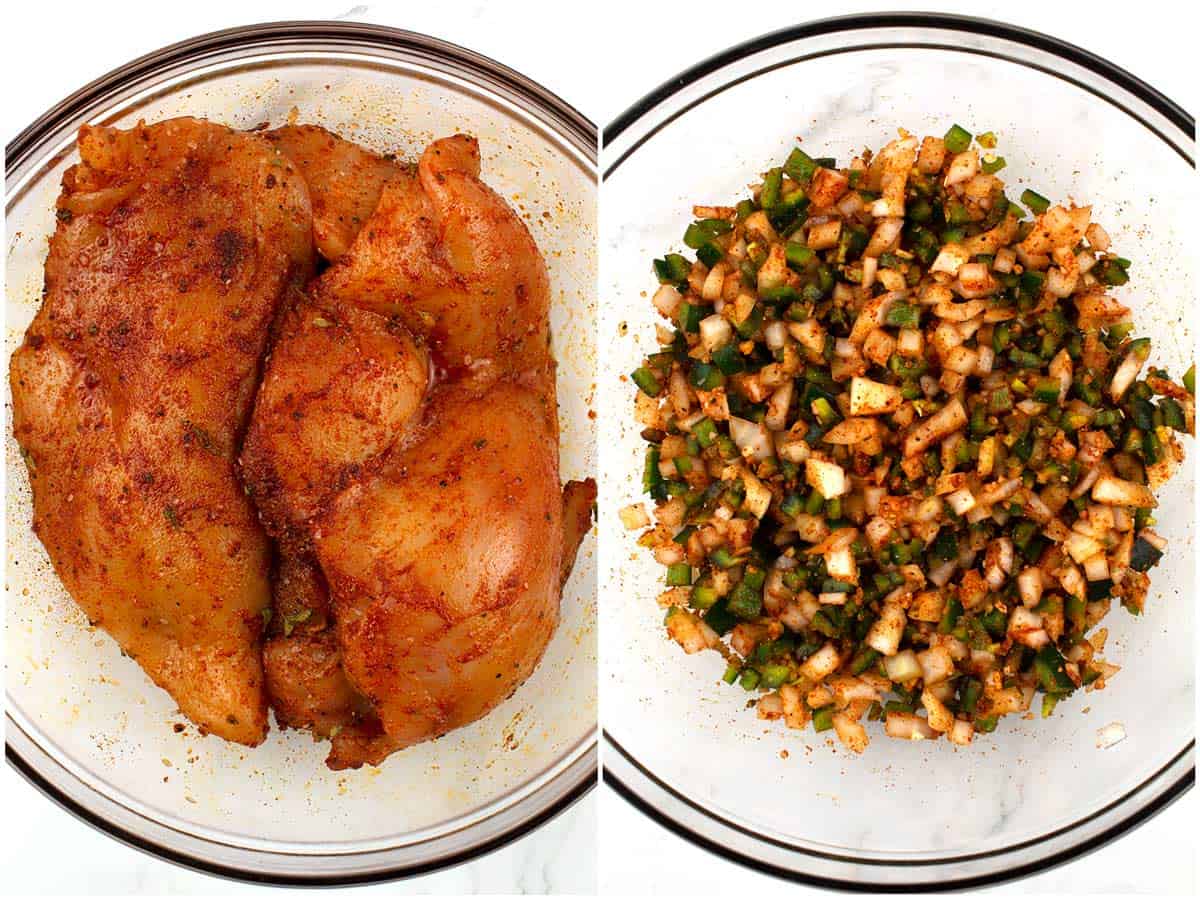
<point x="745" y="600"/>
<point x="705" y="432"/>
<point x="775" y="675"/>
<point x="950" y="615"/>
<point x="652" y="479"/>
<point x="799" y="256"/>
<point x="957" y="139"/>
<point x="647" y="382"/>
<point x="719" y="618"/>
<point x="706" y="376"/>
<point x="703" y="597"/>
<point x="1050" y="668"/>
<point x="673" y="269"/>
<point x="679" y="575"/>
<point x="903" y="315"/>
<point x="1035" y="201"/>
<point x="799" y="165"/>
<point x="772" y="185"/>
<point x="710" y="254"/>
<point x="969" y="695"/>
<point x="1144" y="555"/>
<point x="863" y="659"/>
<point x="689" y="316"/>
<point x="1045" y="390"/>
<point x="993" y="165"/>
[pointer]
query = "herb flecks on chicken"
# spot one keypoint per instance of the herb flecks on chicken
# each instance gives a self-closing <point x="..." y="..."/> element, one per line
<point x="902" y="443"/>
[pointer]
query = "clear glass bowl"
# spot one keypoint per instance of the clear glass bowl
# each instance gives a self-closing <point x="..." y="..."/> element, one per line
<point x="682" y="746"/>
<point x="84" y="724"/>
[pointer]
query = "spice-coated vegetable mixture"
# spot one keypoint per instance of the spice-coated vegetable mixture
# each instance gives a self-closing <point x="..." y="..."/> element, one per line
<point x="902" y="444"/>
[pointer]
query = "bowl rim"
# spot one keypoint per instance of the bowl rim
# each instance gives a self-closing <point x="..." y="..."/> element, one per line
<point x="639" y="786"/>
<point x="575" y="773"/>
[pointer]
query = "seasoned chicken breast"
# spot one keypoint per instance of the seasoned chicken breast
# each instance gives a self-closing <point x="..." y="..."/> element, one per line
<point x="405" y="451"/>
<point x="175" y="246"/>
<point x="344" y="181"/>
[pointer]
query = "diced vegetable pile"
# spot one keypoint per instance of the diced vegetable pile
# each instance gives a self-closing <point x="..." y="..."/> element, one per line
<point x="902" y="444"/>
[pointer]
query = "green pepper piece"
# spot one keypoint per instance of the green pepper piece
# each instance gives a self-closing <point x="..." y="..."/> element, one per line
<point x="679" y="575"/>
<point x="1144" y="555"/>
<point x="1189" y="379"/>
<point x="799" y="165"/>
<point x="647" y="382"/>
<point x="1049" y="701"/>
<point x="1172" y="414"/>
<point x="957" y="139"/>
<point x="823" y="719"/>
<point x="993" y="165"/>
<point x="903" y="315"/>
<point x="950" y="616"/>
<point x="969" y="695"/>
<point x="652" y="479"/>
<point x="710" y="254"/>
<point x="792" y="505"/>
<point x="719" y="618"/>
<point x="1045" y="390"/>
<point x="672" y="269"/>
<point x="772" y="186"/>
<point x="995" y="623"/>
<point x="703" y="597"/>
<point x="799" y="256"/>
<point x="863" y="659"/>
<point x="1035" y="201"/>
<point x="745" y="600"/>
<point x="824" y="623"/>
<point x="1050" y="668"/>
<point x="689" y="316"/>
<point x="750" y="679"/>
<point x="775" y="675"/>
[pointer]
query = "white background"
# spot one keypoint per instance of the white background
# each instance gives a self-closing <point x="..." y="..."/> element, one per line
<point x="600" y="57"/>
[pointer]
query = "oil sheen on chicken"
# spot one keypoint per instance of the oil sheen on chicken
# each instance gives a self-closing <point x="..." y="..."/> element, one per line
<point x="404" y="450"/>
<point x="176" y="244"/>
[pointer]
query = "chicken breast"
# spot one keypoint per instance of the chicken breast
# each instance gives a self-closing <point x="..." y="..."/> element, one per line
<point x="448" y="257"/>
<point x="444" y="567"/>
<point x="344" y="181"/>
<point x="405" y="449"/>
<point x="176" y="245"/>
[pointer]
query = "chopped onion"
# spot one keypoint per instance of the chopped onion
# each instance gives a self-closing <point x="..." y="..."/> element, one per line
<point x="775" y="334"/>
<point x="715" y="332"/>
<point x="667" y="299"/>
<point x="902" y="667"/>
<point x="1110" y="735"/>
<point x="754" y="440"/>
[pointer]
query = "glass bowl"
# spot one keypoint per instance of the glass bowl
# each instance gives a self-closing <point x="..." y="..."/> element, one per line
<point x="84" y="723"/>
<point x="681" y="745"/>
